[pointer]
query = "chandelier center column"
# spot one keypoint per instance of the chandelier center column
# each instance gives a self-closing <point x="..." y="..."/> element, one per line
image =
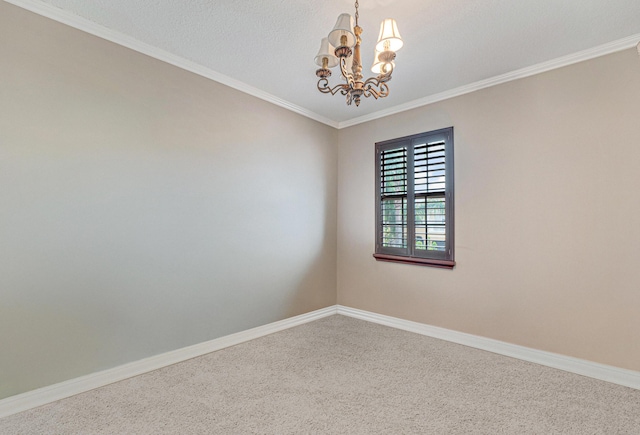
<point x="357" y="63"/>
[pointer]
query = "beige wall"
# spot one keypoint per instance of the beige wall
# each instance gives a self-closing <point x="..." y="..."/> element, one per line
<point x="547" y="194"/>
<point x="144" y="208"/>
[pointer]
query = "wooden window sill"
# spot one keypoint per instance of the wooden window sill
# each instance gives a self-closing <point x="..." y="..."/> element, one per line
<point x="443" y="264"/>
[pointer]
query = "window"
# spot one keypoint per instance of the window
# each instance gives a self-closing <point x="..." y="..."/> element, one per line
<point x="414" y="199"/>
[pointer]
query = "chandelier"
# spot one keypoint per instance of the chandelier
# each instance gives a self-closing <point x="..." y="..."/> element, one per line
<point x="346" y="36"/>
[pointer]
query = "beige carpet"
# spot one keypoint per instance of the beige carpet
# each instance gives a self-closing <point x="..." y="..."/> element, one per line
<point x="339" y="375"/>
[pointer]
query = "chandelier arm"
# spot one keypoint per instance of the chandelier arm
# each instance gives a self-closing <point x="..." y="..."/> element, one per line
<point x="382" y="78"/>
<point x="377" y="81"/>
<point x="323" y="86"/>
<point x="373" y="81"/>
<point x="372" y="93"/>
<point x="374" y="88"/>
<point x="345" y="73"/>
<point x="386" y="76"/>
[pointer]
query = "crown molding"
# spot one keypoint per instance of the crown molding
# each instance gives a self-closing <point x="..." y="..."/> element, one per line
<point x="581" y="56"/>
<point x="61" y="16"/>
<point x="95" y="29"/>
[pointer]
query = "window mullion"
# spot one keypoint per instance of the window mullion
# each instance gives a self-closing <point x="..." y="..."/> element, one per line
<point x="411" y="202"/>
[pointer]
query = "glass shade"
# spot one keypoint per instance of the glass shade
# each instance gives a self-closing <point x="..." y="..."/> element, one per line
<point x="376" y="68"/>
<point x="326" y="50"/>
<point x="343" y="27"/>
<point x="389" y="38"/>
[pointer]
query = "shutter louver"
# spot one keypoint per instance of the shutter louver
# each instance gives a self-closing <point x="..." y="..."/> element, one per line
<point x="393" y="195"/>
<point x="429" y="195"/>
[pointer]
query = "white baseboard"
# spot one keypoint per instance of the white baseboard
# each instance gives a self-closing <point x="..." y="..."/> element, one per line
<point x="628" y="378"/>
<point x="42" y="396"/>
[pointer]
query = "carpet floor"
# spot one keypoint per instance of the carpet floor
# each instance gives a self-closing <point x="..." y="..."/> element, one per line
<point x="340" y="375"/>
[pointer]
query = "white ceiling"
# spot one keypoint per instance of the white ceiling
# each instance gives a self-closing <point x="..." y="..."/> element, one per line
<point x="270" y="44"/>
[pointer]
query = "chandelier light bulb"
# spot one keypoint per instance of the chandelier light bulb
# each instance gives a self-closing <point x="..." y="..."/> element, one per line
<point x="389" y="38"/>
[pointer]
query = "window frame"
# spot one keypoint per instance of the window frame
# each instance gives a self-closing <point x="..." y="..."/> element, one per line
<point x="408" y="254"/>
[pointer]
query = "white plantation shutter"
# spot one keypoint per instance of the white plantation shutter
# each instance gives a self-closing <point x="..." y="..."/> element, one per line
<point x="414" y="203"/>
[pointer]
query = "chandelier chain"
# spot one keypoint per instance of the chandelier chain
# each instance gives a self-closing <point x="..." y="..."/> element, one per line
<point x="357" y="15"/>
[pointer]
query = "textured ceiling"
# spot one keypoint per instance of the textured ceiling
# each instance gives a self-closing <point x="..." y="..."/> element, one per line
<point x="270" y="44"/>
